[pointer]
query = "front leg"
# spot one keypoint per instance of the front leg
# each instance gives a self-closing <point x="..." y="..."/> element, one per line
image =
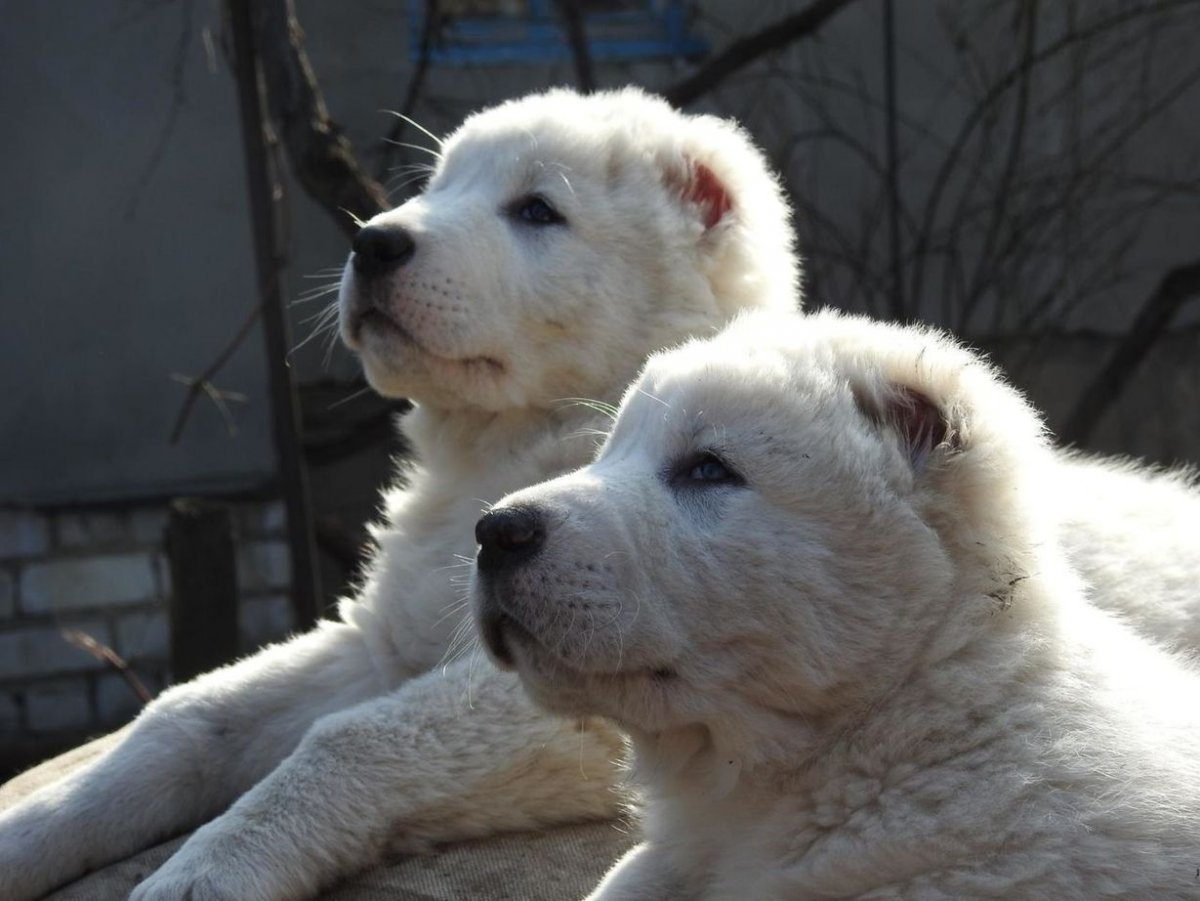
<point x="643" y="874"/>
<point x="186" y="758"/>
<point x="456" y="754"/>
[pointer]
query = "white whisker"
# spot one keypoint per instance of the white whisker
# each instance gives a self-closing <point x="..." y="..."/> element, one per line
<point x="598" y="406"/>
<point x="357" y="221"/>
<point x="645" y="393"/>
<point x="311" y="294"/>
<point x="433" y="153"/>
<point x="321" y="317"/>
<point x="325" y="323"/>
<point x="366" y="389"/>
<point x="417" y="125"/>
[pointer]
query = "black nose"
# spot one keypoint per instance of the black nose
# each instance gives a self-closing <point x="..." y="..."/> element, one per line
<point x="381" y="248"/>
<point x="508" y="536"/>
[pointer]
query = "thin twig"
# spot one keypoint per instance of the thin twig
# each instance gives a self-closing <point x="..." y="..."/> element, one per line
<point x="197" y="385"/>
<point x="744" y="51"/>
<point x="1177" y="286"/>
<point x="178" y="100"/>
<point x="104" y="653"/>
<point x="993" y="94"/>
<point x="321" y="157"/>
<point x="985" y="267"/>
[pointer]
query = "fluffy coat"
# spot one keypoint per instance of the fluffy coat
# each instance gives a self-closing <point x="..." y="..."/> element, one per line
<point x="859" y="664"/>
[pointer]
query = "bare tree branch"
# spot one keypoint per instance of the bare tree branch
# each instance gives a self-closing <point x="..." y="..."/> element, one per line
<point x="321" y="158"/>
<point x="1178" y="286"/>
<point x="178" y="99"/>
<point x="201" y="383"/>
<point x="105" y="654"/>
<point x="994" y="93"/>
<point x="985" y="271"/>
<point x="746" y="50"/>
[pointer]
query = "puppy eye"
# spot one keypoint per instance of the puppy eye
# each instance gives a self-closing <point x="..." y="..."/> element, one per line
<point x="708" y="469"/>
<point x="537" y="211"/>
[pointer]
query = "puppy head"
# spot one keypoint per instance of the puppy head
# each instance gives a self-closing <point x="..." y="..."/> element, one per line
<point x="784" y="522"/>
<point x="561" y="240"/>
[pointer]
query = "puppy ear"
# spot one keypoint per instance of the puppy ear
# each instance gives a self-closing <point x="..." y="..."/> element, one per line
<point x="914" y="418"/>
<point x="697" y="184"/>
<point x="709" y="194"/>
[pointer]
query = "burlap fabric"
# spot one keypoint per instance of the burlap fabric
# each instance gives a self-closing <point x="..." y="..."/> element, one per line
<point x="555" y="865"/>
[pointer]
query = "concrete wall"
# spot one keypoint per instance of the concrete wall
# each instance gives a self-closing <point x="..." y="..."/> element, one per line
<point x="126" y="255"/>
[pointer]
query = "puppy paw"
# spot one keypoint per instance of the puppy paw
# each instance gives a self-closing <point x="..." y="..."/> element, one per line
<point x="218" y="867"/>
<point x="184" y="887"/>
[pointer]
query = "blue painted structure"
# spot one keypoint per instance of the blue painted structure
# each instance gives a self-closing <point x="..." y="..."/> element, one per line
<point x="645" y="30"/>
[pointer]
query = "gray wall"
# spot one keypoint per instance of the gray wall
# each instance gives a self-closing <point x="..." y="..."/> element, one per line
<point x="125" y="255"/>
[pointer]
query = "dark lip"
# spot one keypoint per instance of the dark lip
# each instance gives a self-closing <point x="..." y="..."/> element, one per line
<point x="376" y="318"/>
<point x="498" y="630"/>
<point x="493" y="624"/>
<point x="383" y="323"/>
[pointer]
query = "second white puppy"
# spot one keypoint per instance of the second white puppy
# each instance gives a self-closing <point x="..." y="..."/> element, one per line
<point x="813" y="576"/>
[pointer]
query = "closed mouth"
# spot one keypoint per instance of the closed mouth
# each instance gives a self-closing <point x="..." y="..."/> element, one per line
<point x="499" y="631"/>
<point x="377" y="319"/>
<point x="384" y="324"/>
<point x="492" y="627"/>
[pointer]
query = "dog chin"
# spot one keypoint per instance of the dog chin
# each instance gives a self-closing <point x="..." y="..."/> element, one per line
<point x="552" y="687"/>
<point x="557" y="682"/>
<point x="395" y="373"/>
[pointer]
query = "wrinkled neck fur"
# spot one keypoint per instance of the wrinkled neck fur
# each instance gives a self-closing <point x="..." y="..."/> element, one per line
<point x="472" y="440"/>
<point x="719" y="758"/>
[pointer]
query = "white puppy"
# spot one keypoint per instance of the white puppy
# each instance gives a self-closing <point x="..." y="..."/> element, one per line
<point x="815" y="573"/>
<point x="560" y="241"/>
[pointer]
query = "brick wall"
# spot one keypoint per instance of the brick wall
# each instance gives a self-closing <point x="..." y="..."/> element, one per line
<point x="103" y="572"/>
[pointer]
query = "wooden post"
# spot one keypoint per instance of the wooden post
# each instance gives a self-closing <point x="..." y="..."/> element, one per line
<point x="203" y="609"/>
<point x="266" y="194"/>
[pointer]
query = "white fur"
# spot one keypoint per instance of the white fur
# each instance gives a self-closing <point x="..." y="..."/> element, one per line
<point x="352" y="738"/>
<point x="1134" y="533"/>
<point x="344" y="739"/>
<point x="861" y="666"/>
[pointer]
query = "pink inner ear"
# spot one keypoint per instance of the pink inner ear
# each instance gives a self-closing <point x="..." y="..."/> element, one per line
<point x="920" y="424"/>
<point x="706" y="189"/>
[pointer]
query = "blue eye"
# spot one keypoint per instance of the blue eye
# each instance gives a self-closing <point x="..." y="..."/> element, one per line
<point x="536" y="211"/>
<point x="707" y="469"/>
